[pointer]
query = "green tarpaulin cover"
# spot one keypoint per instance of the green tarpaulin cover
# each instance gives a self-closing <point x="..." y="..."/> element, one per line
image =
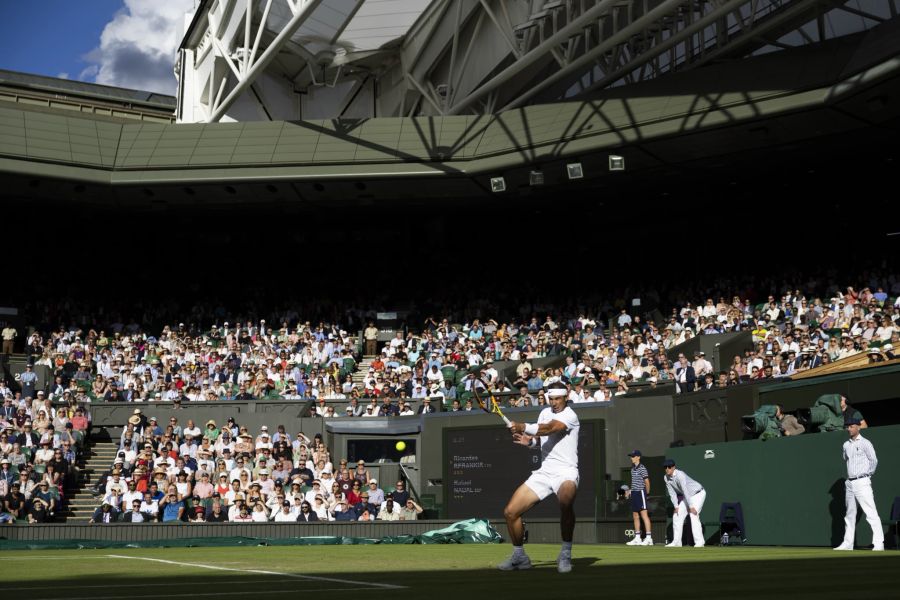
<point x="471" y="531"/>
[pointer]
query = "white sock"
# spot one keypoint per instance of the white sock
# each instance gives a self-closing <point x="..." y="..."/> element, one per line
<point x="648" y="536"/>
<point x="518" y="551"/>
<point x="567" y="548"/>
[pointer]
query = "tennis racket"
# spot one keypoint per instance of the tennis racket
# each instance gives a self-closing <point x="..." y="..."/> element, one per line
<point x="490" y="405"/>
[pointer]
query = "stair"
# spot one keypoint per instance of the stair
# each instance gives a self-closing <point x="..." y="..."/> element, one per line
<point x="362" y="369"/>
<point x="99" y="458"/>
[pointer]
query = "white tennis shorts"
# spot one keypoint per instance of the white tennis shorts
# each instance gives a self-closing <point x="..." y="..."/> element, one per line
<point x="544" y="483"/>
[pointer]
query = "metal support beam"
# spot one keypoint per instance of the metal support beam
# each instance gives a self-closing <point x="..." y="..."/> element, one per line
<point x="247" y="18"/>
<point x="534" y="55"/>
<point x="607" y="44"/>
<point x="455" y="81"/>
<point x="259" y="32"/>
<point x="761" y="29"/>
<point x="301" y="12"/>
<point x="453" y="51"/>
<point x="676" y="38"/>
<point x="425" y="94"/>
<point x="503" y="31"/>
<point x="862" y="13"/>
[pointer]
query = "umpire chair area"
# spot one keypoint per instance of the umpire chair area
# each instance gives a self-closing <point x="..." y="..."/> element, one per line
<point x="731" y="524"/>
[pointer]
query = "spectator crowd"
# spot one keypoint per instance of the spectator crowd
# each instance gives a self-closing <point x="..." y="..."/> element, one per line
<point x="600" y="354"/>
<point x="791" y="332"/>
<point x="40" y="447"/>
<point x="223" y="473"/>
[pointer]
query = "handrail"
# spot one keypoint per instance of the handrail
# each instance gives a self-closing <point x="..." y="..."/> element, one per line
<point x="413" y="489"/>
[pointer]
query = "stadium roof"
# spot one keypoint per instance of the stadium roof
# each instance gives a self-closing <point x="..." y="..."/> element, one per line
<point x="42" y="83"/>
<point x="766" y="103"/>
<point x="307" y="59"/>
<point x="353" y="24"/>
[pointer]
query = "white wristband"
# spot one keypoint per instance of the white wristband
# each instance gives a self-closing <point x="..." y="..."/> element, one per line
<point x="531" y="429"/>
<point x="533" y="442"/>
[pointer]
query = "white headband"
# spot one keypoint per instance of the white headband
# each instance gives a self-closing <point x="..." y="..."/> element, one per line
<point x="557" y="392"/>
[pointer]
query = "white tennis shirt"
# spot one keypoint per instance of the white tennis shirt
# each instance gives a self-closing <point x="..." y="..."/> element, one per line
<point x="559" y="451"/>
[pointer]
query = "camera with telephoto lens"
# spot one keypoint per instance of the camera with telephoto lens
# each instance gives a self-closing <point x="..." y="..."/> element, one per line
<point x="762" y="423"/>
<point x="825" y="414"/>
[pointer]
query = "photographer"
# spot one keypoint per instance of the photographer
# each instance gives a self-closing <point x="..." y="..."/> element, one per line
<point x="851" y="414"/>
<point x="788" y="423"/>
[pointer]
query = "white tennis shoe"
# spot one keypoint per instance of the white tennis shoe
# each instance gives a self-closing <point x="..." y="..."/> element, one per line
<point x="845" y="547"/>
<point x="648" y="541"/>
<point x="635" y="541"/>
<point x="564" y="562"/>
<point x="515" y="562"/>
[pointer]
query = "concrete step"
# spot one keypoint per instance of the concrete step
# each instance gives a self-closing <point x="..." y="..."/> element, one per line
<point x="81" y="503"/>
<point x="83" y="494"/>
<point x="84" y="500"/>
<point x="84" y="497"/>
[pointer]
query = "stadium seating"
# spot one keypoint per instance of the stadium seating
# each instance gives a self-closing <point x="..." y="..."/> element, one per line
<point x="612" y="353"/>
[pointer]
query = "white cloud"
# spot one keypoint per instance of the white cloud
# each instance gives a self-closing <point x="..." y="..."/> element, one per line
<point x="89" y="73"/>
<point x="138" y="46"/>
<point x="62" y="75"/>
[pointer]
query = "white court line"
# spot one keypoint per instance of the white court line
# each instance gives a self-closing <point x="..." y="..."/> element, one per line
<point x="70" y="586"/>
<point x="195" y="594"/>
<point x="386" y="586"/>
<point x="54" y="558"/>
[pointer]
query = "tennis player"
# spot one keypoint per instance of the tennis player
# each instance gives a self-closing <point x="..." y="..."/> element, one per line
<point x="556" y="432"/>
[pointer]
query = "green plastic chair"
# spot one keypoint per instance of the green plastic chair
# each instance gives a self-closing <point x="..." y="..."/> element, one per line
<point x="449" y="373"/>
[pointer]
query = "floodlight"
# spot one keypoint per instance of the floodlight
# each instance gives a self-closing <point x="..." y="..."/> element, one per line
<point x="536" y="177"/>
<point x="575" y="171"/>
<point x="616" y="163"/>
<point x="498" y="184"/>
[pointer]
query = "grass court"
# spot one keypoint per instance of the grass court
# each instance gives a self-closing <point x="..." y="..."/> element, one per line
<point x="465" y="572"/>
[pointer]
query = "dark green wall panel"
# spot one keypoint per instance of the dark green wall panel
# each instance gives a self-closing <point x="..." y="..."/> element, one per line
<point x="791" y="489"/>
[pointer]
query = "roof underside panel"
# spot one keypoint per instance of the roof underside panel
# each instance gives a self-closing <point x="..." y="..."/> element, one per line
<point x="353" y="25"/>
<point x="731" y="95"/>
<point x="321" y="29"/>
<point x="380" y="22"/>
<point x="43" y="136"/>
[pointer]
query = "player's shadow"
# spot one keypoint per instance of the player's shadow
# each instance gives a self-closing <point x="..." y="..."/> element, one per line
<point x="576" y="562"/>
<point x="837" y="508"/>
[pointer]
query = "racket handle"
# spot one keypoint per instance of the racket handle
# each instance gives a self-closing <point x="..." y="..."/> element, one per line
<point x="507" y="421"/>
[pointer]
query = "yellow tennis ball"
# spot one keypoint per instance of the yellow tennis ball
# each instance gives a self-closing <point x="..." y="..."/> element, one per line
<point x="401" y="446"/>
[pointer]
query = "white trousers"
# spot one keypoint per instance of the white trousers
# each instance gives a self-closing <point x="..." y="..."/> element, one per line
<point x="860" y="491"/>
<point x="696" y="502"/>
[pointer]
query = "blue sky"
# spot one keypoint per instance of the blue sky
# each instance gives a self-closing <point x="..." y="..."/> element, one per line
<point x="125" y="43"/>
<point x="52" y="36"/>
